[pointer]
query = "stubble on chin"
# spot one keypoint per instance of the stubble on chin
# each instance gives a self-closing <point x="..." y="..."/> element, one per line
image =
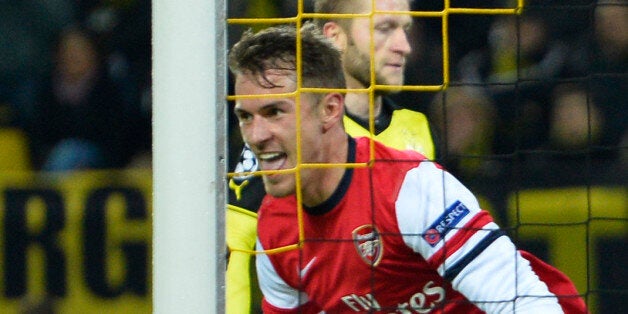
<point x="276" y="186"/>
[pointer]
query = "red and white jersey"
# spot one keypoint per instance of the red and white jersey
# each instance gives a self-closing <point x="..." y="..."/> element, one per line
<point x="403" y="236"/>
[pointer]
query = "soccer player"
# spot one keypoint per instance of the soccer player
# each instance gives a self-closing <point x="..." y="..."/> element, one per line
<point x="400" y="235"/>
<point x="395" y="126"/>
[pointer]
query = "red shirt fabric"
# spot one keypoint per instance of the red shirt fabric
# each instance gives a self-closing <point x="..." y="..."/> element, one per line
<point x="402" y="236"/>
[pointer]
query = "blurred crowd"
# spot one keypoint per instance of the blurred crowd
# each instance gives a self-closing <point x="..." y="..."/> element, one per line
<point x="544" y="96"/>
<point x="541" y="102"/>
<point x="75" y="81"/>
<point x="562" y="111"/>
<point x="539" y="96"/>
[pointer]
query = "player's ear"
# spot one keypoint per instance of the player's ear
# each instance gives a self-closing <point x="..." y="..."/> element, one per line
<point x="332" y="109"/>
<point x="336" y="33"/>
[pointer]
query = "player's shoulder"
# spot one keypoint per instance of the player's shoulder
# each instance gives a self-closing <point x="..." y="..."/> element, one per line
<point x="408" y="155"/>
<point x="405" y="116"/>
<point x="384" y="151"/>
<point x="277" y="221"/>
<point x="277" y="207"/>
<point x="408" y="118"/>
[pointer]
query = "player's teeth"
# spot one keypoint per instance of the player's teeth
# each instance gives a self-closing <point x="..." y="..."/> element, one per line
<point x="269" y="156"/>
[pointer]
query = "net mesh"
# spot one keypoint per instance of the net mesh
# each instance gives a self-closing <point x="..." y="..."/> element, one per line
<point x="542" y="91"/>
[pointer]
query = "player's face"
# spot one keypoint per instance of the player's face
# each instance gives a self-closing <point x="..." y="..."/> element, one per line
<point x="268" y="126"/>
<point x="391" y="45"/>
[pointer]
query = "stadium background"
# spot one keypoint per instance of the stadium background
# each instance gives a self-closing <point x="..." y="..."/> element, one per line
<point x="82" y="238"/>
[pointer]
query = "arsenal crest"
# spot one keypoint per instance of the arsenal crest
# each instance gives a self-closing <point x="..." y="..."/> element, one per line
<point x="367" y="241"/>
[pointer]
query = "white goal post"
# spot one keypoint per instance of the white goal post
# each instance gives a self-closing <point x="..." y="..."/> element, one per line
<point x="189" y="155"/>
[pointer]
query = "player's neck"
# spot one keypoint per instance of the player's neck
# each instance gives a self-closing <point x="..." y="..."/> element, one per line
<point x="325" y="180"/>
<point x="358" y="104"/>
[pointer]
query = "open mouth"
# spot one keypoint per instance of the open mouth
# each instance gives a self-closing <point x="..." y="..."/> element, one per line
<point x="272" y="160"/>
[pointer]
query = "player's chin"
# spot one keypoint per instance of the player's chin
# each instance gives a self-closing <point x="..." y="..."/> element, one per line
<point x="395" y="80"/>
<point x="390" y="89"/>
<point x="393" y="84"/>
<point x="279" y="185"/>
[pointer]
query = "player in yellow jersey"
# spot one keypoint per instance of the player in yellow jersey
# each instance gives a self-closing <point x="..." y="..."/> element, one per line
<point x="394" y="126"/>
